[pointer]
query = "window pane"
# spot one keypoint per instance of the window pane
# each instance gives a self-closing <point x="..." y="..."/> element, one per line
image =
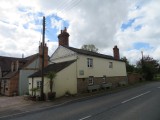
<point x="39" y="84"/>
<point x="89" y="62"/>
<point x="104" y="79"/>
<point x="90" y="80"/>
<point x="110" y="65"/>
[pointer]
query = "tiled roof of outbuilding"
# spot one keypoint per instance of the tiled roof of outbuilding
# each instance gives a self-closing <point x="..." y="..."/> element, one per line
<point x="55" y="67"/>
<point x="5" y="62"/>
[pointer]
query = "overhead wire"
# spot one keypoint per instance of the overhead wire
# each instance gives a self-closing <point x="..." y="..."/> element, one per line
<point x="62" y="4"/>
<point x="66" y="7"/>
<point x="69" y="6"/>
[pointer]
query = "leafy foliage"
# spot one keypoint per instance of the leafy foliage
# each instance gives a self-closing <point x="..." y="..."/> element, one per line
<point x="51" y="75"/>
<point x="130" y="68"/>
<point x="90" y="47"/>
<point x="148" y="67"/>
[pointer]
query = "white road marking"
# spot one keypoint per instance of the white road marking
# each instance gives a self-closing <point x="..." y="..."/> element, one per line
<point x="85" y="117"/>
<point x="135" y="97"/>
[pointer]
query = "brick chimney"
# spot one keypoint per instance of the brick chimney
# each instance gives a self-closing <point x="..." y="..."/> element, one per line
<point x="63" y="38"/>
<point x="45" y="55"/>
<point x="116" y="53"/>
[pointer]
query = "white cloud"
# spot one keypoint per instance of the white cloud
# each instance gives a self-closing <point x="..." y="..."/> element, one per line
<point x="90" y="22"/>
<point x="96" y="24"/>
<point x="56" y="24"/>
<point x="148" y="17"/>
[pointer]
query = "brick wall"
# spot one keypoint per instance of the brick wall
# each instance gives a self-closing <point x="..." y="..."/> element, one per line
<point x="116" y="80"/>
<point x="12" y="86"/>
<point x="63" y="38"/>
<point x="116" y="53"/>
<point x="82" y="83"/>
<point x="45" y="55"/>
<point x="134" y="78"/>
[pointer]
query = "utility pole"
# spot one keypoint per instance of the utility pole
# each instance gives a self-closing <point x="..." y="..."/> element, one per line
<point x="142" y="54"/>
<point x="42" y="73"/>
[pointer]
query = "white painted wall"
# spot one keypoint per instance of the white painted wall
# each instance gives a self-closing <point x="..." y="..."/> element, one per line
<point x="100" y="67"/>
<point x="23" y="76"/>
<point x="34" y="64"/>
<point x="35" y="79"/>
<point x="62" y="54"/>
<point x="65" y="80"/>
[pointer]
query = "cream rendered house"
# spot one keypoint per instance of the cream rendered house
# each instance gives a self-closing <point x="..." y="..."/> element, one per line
<point x="87" y="70"/>
<point x="65" y="80"/>
<point x="92" y="69"/>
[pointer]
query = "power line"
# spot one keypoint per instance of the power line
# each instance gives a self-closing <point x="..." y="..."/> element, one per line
<point x="69" y="7"/>
<point x="59" y="6"/>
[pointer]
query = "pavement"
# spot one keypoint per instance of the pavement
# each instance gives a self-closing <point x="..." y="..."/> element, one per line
<point x="10" y="106"/>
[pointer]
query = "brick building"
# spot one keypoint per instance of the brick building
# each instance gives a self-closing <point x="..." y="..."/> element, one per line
<point x="15" y="71"/>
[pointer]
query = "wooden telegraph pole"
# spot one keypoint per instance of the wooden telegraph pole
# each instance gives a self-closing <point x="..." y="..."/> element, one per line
<point x="42" y="73"/>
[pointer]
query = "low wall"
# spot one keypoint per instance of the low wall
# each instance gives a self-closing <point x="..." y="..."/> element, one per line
<point x="82" y="83"/>
<point x="134" y="78"/>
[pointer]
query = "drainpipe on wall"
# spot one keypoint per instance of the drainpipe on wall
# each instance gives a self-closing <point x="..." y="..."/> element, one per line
<point x="77" y="73"/>
<point x="32" y="86"/>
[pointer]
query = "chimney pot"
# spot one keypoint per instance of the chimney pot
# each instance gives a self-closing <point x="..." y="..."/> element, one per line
<point x="65" y="29"/>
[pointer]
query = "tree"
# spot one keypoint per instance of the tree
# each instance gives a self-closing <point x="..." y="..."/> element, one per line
<point x="90" y="47"/>
<point x="129" y="67"/>
<point x="51" y="75"/>
<point x="148" y="67"/>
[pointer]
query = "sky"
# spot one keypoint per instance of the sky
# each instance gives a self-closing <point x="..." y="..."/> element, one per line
<point x="132" y="25"/>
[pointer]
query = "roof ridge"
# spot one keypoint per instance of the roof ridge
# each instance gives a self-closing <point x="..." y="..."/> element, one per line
<point x="82" y="51"/>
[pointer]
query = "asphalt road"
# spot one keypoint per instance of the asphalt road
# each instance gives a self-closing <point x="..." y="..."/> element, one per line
<point x="139" y="103"/>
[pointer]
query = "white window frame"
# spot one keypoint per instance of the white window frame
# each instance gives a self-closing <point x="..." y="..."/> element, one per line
<point x="90" y="80"/>
<point x="104" y="79"/>
<point x="110" y="64"/>
<point x="89" y="62"/>
<point x="39" y="84"/>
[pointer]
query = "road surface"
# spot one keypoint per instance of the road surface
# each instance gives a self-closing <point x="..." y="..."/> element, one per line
<point x="138" y="103"/>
